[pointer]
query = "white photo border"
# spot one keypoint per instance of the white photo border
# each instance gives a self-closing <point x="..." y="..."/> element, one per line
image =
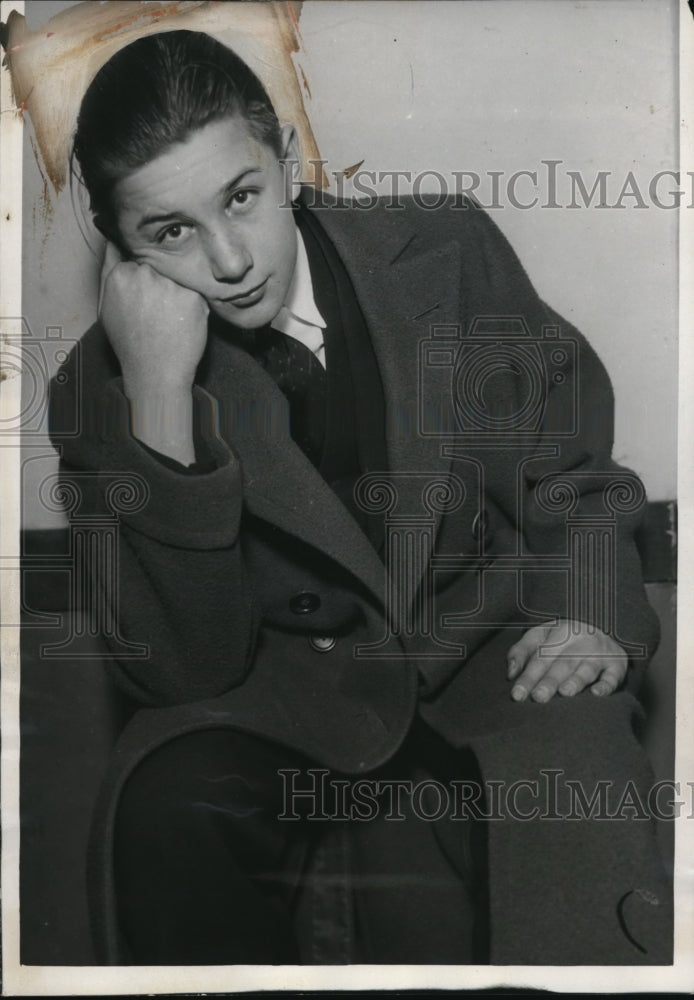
<point x="62" y="981"/>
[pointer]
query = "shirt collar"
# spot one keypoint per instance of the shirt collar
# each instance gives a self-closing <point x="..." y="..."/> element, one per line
<point x="300" y="301"/>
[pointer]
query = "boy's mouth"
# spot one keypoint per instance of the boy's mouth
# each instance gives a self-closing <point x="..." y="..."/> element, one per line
<point x="249" y="298"/>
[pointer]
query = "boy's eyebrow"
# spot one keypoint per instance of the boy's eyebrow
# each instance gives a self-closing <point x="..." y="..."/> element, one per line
<point x="150" y="220"/>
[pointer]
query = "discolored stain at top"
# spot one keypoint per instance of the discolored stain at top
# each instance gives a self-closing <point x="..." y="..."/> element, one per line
<point x="51" y="67"/>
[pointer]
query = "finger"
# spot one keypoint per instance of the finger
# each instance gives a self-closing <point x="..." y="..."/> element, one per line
<point x="560" y="668"/>
<point x="587" y="671"/>
<point x="535" y="669"/>
<point x="521" y="651"/>
<point x="610" y="679"/>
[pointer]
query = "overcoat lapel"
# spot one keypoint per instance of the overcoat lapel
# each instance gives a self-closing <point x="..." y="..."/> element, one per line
<point x="280" y="484"/>
<point x="401" y="291"/>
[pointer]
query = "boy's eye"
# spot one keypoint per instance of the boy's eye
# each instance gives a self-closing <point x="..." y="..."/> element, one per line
<point x="175" y="233"/>
<point x="242" y="198"/>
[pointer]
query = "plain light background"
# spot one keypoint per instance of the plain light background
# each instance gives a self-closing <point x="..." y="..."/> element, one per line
<point x="476" y="86"/>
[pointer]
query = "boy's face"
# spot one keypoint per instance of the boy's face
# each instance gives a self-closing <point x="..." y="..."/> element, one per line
<point x="212" y="214"/>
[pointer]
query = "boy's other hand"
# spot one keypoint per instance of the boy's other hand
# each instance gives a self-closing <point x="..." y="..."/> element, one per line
<point x="580" y="656"/>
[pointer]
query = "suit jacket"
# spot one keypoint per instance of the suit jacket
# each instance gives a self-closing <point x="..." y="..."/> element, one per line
<point x="229" y="577"/>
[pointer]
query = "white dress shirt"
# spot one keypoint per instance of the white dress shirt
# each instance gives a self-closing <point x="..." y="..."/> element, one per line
<point x="299" y="317"/>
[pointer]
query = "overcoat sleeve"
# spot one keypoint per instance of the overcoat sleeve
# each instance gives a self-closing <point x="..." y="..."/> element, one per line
<point x="180" y="582"/>
<point x="575" y="500"/>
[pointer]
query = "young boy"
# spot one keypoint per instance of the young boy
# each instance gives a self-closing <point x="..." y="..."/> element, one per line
<point x="382" y="551"/>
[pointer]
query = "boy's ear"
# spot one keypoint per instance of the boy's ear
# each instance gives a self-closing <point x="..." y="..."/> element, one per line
<point x="291" y="157"/>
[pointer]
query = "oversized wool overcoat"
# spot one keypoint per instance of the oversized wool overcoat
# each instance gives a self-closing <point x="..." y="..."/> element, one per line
<point x="228" y="577"/>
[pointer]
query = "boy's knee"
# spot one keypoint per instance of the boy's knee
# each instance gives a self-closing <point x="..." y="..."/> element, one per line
<point x="188" y="780"/>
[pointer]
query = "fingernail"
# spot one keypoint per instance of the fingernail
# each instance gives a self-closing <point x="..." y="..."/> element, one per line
<point x="569" y="688"/>
<point x="519" y="693"/>
<point x="512" y="668"/>
<point x="541" y="694"/>
<point x="598" y="689"/>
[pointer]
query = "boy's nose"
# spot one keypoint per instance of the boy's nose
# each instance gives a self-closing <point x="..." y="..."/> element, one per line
<point x="229" y="258"/>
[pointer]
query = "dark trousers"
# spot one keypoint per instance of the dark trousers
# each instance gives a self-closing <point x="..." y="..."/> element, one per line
<point x="208" y="872"/>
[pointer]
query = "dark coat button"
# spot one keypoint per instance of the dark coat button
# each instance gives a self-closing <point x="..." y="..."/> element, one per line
<point x="305" y="603"/>
<point x="322" y="643"/>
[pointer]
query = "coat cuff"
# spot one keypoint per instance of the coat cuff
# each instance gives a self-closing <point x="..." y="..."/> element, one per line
<point x="623" y="613"/>
<point x="187" y="511"/>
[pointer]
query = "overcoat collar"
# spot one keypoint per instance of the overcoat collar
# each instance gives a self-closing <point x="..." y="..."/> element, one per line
<point x="402" y="288"/>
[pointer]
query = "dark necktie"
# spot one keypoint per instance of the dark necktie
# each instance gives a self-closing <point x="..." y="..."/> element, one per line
<point x="302" y="379"/>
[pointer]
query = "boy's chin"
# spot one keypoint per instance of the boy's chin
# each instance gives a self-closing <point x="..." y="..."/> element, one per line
<point x="251" y="318"/>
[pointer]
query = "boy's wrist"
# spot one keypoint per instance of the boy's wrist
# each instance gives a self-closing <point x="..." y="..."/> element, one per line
<point x="163" y="420"/>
